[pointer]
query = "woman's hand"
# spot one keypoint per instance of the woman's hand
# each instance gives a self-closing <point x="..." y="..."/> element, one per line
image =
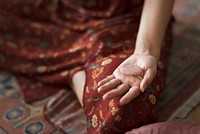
<point x="130" y="78"/>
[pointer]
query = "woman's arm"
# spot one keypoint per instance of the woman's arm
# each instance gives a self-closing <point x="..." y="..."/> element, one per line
<point x="140" y="68"/>
<point x="154" y="20"/>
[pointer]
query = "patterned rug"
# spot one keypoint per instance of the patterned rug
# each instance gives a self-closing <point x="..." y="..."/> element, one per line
<point x="180" y="101"/>
<point x="21" y="118"/>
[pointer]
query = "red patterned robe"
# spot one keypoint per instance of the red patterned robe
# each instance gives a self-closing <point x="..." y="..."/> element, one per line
<point x="44" y="42"/>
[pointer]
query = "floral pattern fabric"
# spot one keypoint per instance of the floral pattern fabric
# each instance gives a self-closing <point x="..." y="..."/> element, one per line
<point x="106" y="116"/>
<point x="44" y="43"/>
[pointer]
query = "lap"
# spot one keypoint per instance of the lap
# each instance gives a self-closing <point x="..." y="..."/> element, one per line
<point x="106" y="116"/>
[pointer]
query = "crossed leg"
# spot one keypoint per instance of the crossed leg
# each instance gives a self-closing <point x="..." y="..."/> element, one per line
<point x="106" y="116"/>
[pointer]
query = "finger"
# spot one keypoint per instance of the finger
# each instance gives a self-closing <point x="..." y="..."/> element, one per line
<point x="130" y="95"/>
<point x="131" y="70"/>
<point x="127" y="79"/>
<point x="109" y="85"/>
<point x="105" y="80"/>
<point x="148" y="78"/>
<point x="120" y="90"/>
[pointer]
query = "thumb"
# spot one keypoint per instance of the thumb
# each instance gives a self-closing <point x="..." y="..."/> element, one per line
<point x="130" y="70"/>
<point x="148" y="78"/>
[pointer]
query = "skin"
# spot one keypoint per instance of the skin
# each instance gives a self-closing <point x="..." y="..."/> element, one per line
<point x="133" y="75"/>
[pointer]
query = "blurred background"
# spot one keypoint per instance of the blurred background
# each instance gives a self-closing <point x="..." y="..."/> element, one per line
<point x="181" y="99"/>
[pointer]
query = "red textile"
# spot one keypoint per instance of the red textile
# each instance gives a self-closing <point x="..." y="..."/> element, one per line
<point x="107" y="116"/>
<point x="45" y="42"/>
<point x="167" y="128"/>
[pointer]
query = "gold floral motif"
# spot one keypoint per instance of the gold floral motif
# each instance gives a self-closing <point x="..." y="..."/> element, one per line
<point x="118" y="118"/>
<point x="128" y="41"/>
<point x="74" y="49"/>
<point x="64" y="73"/>
<point x="87" y="89"/>
<point x="114" y="110"/>
<point x="113" y="32"/>
<point x="99" y="57"/>
<point x="81" y="10"/>
<point x="105" y="62"/>
<point x="89" y="45"/>
<point x="83" y="54"/>
<point x="36" y="25"/>
<point x="122" y="56"/>
<point x="41" y="69"/>
<point x="94" y="120"/>
<point x="66" y="32"/>
<point x="12" y="44"/>
<point x="41" y="56"/>
<point x="94" y="87"/>
<point x="111" y="103"/>
<point x="113" y="56"/>
<point x="101" y="114"/>
<point x="158" y="87"/>
<point x="108" y="14"/>
<point x="152" y="98"/>
<point x="97" y="72"/>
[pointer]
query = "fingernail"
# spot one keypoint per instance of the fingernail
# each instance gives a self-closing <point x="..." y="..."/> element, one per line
<point x="105" y="97"/>
<point x="142" y="90"/>
<point x="121" y="103"/>
<point x="99" y="90"/>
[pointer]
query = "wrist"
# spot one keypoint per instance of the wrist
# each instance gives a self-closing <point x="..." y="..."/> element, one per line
<point x="145" y="47"/>
<point x="145" y="51"/>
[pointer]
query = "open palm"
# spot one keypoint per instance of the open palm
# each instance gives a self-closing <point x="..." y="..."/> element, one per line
<point x="130" y="78"/>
